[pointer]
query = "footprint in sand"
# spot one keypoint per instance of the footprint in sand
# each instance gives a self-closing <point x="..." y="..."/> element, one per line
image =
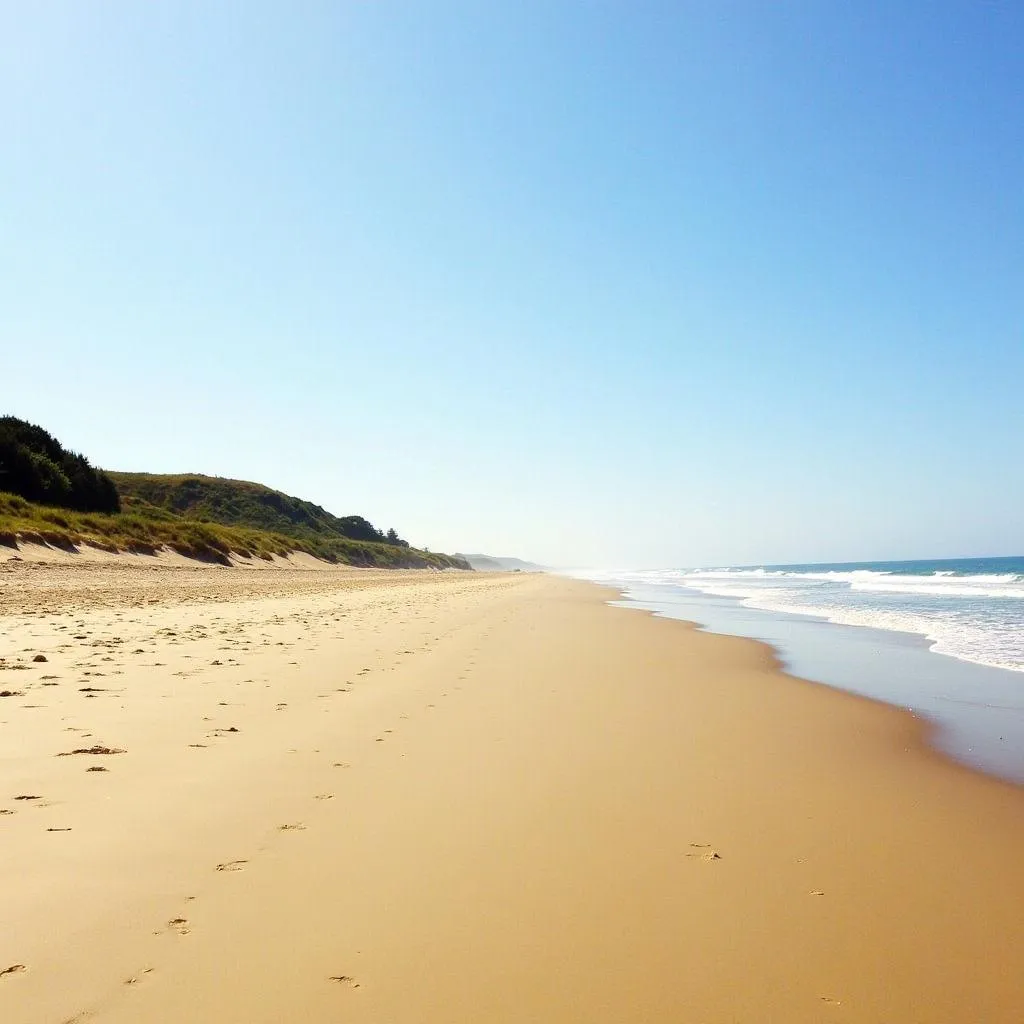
<point x="179" y="925"/>
<point x="232" y="865"/>
<point x="297" y="827"/>
<point x="13" y="969"/>
<point x="704" y="852"/>
<point x="97" y="750"/>
<point x="345" y="979"/>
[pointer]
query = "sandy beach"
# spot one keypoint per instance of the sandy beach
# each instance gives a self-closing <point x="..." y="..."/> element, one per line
<point x="370" y="796"/>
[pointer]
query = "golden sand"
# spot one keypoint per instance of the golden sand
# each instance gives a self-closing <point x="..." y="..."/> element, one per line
<point x="409" y="797"/>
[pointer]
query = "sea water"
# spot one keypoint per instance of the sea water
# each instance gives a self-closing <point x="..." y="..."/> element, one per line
<point x="942" y="638"/>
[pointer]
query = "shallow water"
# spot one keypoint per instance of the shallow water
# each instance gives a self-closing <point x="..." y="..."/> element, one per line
<point x="978" y="710"/>
<point x="968" y="608"/>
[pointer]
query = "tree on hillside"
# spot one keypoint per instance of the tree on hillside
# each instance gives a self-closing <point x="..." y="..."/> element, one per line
<point x="35" y="466"/>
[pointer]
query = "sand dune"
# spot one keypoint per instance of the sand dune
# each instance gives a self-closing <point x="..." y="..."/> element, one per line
<point x="317" y="796"/>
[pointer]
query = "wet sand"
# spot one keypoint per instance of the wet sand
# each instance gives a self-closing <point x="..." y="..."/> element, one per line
<point x="379" y="797"/>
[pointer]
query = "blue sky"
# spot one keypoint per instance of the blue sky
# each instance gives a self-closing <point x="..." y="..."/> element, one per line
<point x="616" y="284"/>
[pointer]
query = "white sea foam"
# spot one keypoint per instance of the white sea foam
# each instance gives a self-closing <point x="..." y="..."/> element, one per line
<point x="947" y="586"/>
<point x="977" y="618"/>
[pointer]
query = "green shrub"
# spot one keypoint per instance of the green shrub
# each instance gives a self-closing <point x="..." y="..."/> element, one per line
<point x="34" y="465"/>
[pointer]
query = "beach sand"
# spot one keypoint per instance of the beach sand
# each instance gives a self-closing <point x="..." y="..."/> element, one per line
<point x="429" y="797"/>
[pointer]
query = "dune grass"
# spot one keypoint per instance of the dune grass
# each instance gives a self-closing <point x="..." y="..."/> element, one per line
<point x="144" y="528"/>
<point x="246" y="503"/>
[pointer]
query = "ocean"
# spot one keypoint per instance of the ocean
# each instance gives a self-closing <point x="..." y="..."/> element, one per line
<point x="943" y="638"/>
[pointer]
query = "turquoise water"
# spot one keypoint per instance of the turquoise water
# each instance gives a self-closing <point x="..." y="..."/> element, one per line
<point x="943" y="638"/>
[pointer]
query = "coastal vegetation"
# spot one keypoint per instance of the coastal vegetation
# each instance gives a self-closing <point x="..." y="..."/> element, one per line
<point x="145" y="529"/>
<point x="243" y="503"/>
<point x="35" y="466"/>
<point x="54" y="497"/>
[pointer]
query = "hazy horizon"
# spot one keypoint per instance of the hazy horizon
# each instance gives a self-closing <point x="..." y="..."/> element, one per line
<point x="638" y="286"/>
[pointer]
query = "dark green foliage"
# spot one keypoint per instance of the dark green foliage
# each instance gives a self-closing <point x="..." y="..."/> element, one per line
<point x="35" y="466"/>
<point x="242" y="503"/>
<point x="55" y="497"/>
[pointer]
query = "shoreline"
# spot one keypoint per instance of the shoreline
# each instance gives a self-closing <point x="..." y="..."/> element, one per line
<point x="474" y="797"/>
<point x="974" y="711"/>
<point x="925" y="731"/>
<point x="938" y="603"/>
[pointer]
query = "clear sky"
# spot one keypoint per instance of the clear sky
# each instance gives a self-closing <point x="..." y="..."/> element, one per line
<point x="611" y="283"/>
